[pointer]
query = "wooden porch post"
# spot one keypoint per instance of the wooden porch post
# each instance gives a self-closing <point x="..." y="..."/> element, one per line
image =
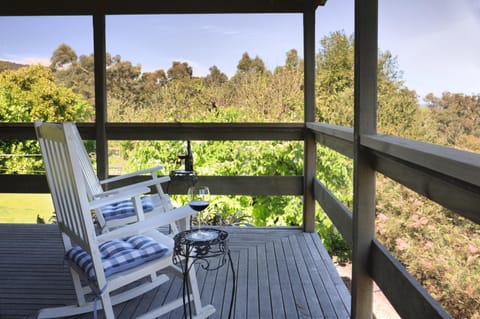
<point x="309" y="166"/>
<point x="366" y="43"/>
<point x="99" y="51"/>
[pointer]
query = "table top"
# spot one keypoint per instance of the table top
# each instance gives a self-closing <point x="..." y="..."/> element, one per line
<point x="215" y="245"/>
<point x="213" y="236"/>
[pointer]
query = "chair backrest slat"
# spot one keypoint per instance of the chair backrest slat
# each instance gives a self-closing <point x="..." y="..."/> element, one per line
<point x="66" y="184"/>
<point x="93" y="185"/>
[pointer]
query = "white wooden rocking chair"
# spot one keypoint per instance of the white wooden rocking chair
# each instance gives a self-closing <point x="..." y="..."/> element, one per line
<point x="102" y="264"/>
<point x="113" y="216"/>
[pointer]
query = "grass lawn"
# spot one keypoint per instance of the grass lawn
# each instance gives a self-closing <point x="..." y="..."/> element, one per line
<point x="24" y="208"/>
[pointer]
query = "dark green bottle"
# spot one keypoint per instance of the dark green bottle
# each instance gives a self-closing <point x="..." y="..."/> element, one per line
<point x="189" y="158"/>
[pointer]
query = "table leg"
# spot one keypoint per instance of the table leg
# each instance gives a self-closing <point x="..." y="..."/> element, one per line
<point x="233" y="285"/>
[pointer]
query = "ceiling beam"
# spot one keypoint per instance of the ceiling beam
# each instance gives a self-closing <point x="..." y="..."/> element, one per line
<point x="113" y="7"/>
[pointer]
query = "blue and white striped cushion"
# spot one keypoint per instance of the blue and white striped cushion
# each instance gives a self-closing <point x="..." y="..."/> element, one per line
<point x="125" y="209"/>
<point x="118" y="255"/>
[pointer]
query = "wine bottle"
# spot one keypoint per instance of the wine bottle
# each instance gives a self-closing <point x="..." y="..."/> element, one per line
<point x="189" y="158"/>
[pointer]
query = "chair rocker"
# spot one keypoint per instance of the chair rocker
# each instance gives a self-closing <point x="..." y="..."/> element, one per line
<point x="117" y="215"/>
<point x="115" y="266"/>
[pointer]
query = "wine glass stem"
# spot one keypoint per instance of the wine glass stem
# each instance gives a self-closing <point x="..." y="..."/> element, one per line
<point x="199" y="220"/>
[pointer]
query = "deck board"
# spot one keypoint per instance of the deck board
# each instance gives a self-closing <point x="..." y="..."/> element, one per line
<point x="280" y="273"/>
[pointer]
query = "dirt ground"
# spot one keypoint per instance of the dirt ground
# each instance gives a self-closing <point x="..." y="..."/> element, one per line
<point x="382" y="309"/>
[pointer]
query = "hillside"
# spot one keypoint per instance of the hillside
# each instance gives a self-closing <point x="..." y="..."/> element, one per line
<point x="7" y="65"/>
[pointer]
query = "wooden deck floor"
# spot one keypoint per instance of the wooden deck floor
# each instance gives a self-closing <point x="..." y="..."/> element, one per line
<point x="281" y="273"/>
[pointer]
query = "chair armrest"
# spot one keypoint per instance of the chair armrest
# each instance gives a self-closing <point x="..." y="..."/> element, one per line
<point x="117" y="196"/>
<point x="130" y="175"/>
<point x="151" y="223"/>
<point x="121" y="189"/>
<point x="147" y="183"/>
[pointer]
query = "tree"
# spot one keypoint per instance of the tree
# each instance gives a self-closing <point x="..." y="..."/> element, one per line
<point x="123" y="84"/>
<point x="179" y="71"/>
<point x="397" y="105"/>
<point x="334" y="80"/>
<point x="216" y="77"/>
<point x="458" y="116"/>
<point x="335" y="61"/>
<point x="151" y="81"/>
<point x="28" y="94"/>
<point x="62" y="55"/>
<point x="293" y="61"/>
<point x="75" y="73"/>
<point x="248" y="65"/>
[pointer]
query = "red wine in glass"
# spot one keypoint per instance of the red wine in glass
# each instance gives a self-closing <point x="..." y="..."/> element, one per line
<point x="198" y="205"/>
<point x="198" y="199"/>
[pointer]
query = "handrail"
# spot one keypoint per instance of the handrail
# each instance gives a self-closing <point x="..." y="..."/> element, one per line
<point x="447" y="176"/>
<point x="338" y="138"/>
<point x="431" y="170"/>
<point x="173" y="131"/>
<point x="458" y="164"/>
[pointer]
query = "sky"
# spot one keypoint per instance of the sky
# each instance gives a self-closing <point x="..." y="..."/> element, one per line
<point x="436" y="42"/>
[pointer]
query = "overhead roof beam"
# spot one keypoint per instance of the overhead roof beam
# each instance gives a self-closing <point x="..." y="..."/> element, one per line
<point x="112" y="7"/>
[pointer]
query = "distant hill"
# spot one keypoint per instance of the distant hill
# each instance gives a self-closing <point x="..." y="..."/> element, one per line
<point x="7" y="65"/>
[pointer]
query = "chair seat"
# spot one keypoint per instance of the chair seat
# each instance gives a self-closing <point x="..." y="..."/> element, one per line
<point x="118" y="255"/>
<point x="125" y="209"/>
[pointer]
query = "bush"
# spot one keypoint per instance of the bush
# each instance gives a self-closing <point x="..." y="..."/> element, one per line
<point x="439" y="248"/>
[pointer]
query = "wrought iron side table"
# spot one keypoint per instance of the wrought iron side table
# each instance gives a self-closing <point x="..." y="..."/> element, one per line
<point x="210" y="254"/>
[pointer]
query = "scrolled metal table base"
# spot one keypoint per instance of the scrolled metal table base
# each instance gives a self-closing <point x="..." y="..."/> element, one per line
<point x="189" y="251"/>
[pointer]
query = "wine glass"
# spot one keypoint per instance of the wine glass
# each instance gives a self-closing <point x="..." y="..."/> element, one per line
<point x="198" y="199"/>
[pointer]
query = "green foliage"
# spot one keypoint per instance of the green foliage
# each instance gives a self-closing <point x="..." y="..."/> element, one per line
<point x="77" y="74"/>
<point x="216" y="77"/>
<point x="397" y="105"/>
<point x="229" y="210"/>
<point x="179" y="71"/>
<point x="61" y="56"/>
<point x="458" y="119"/>
<point x="249" y="65"/>
<point x="335" y="62"/>
<point x="28" y="94"/>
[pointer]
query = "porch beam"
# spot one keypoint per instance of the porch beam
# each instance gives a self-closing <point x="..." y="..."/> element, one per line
<point x="310" y="148"/>
<point x="173" y="131"/>
<point x="206" y="131"/>
<point x="99" y="53"/>
<point x="89" y="7"/>
<point x="365" y="109"/>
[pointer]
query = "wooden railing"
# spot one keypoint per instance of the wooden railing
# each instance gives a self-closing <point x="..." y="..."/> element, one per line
<point x="447" y="176"/>
<point x="222" y="185"/>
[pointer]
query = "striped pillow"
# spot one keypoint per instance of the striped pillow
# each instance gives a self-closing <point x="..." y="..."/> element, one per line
<point x="118" y="255"/>
<point x="125" y="209"/>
